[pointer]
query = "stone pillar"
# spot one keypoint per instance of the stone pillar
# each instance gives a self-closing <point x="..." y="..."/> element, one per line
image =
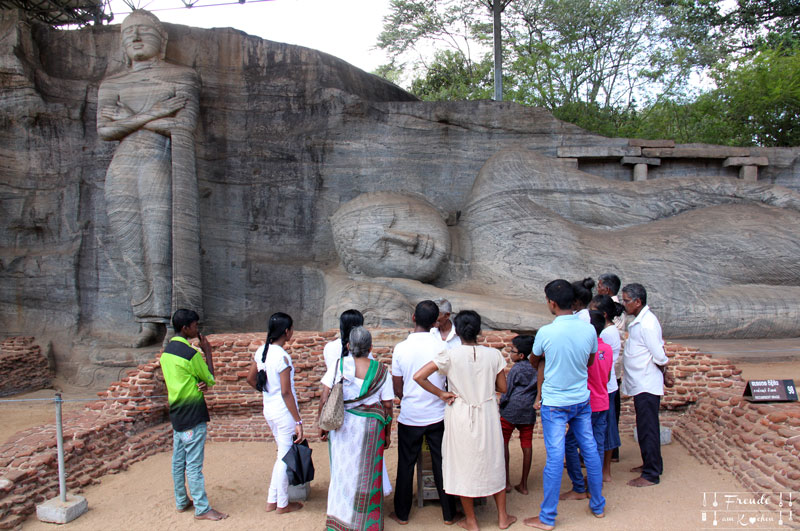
<point x="640" y="172"/>
<point x="748" y="166"/>
<point x="640" y="165"/>
<point x="748" y="173"/>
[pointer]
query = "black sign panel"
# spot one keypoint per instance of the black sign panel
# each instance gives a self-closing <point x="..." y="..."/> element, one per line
<point x="770" y="391"/>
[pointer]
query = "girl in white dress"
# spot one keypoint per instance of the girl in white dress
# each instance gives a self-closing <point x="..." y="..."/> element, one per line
<point x="272" y="373"/>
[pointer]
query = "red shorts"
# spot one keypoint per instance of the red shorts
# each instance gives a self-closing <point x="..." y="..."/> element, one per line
<point x="525" y="433"/>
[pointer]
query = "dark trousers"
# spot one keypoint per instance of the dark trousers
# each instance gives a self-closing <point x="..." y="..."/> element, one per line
<point x="649" y="433"/>
<point x="409" y="443"/>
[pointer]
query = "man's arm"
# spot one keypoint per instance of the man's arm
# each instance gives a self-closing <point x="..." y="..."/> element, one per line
<point x="205" y="346"/>
<point x="652" y="339"/>
<point x="397" y="385"/>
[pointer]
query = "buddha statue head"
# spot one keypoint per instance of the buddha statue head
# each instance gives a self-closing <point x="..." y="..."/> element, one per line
<point x="391" y="234"/>
<point x="143" y="37"/>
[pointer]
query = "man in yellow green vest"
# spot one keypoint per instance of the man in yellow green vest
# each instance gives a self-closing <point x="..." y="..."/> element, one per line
<point x="187" y="375"/>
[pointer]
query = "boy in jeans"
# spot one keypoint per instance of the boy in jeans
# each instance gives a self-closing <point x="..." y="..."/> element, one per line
<point x="597" y="383"/>
<point x="516" y="407"/>
<point x="188" y="372"/>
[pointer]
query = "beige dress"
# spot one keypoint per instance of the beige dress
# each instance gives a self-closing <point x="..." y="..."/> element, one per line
<point x="472" y="452"/>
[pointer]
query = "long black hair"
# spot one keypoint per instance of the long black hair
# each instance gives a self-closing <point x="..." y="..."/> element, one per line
<point x="607" y="306"/>
<point x="279" y="324"/>
<point x="347" y="321"/>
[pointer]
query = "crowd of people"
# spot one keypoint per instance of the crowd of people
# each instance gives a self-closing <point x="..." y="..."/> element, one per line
<point x="455" y="395"/>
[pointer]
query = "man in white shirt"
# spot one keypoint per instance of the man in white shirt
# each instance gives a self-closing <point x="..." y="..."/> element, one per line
<point x="421" y="413"/>
<point x="444" y="328"/>
<point x="644" y="361"/>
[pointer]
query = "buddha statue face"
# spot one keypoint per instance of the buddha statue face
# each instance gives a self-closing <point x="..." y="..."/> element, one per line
<point x="143" y="37"/>
<point x="388" y="234"/>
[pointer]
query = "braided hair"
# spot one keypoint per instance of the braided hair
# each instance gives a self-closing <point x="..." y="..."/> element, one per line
<point x="279" y="324"/>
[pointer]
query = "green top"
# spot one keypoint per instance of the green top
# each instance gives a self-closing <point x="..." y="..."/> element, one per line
<point x="184" y="367"/>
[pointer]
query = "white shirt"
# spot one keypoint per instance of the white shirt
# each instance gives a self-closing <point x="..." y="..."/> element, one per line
<point x="352" y="385"/>
<point x="452" y="339"/>
<point x="620" y="320"/>
<point x="418" y="407"/>
<point x="644" y="349"/>
<point x="610" y="335"/>
<point x="277" y="361"/>
<point x="583" y="315"/>
<point x="333" y="351"/>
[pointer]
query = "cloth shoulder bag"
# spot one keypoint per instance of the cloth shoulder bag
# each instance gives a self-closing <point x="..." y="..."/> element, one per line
<point x="332" y="415"/>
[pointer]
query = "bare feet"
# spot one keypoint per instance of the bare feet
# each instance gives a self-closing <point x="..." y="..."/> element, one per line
<point x="535" y="522"/>
<point x="271" y="507"/>
<point x="508" y="487"/>
<point x="615" y="459"/>
<point x="599" y="515"/>
<point x="640" y="482"/>
<point x="505" y="523"/>
<point x="470" y="524"/>
<point x="186" y="507"/>
<point x="293" y="506"/>
<point x="572" y="495"/>
<point x="397" y="519"/>
<point x="456" y="518"/>
<point x="607" y="478"/>
<point x="211" y="514"/>
<point x="637" y="469"/>
<point x="521" y="489"/>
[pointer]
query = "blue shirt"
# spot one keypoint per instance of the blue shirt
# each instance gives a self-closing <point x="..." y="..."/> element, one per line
<point x="566" y="343"/>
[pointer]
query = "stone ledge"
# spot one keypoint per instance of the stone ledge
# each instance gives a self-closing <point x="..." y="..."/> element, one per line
<point x="641" y="142"/>
<point x="697" y="151"/>
<point x="641" y="160"/>
<point x="598" y="152"/>
<point x="745" y="161"/>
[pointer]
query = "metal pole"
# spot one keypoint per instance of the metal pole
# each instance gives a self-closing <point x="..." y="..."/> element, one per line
<point x="497" y="8"/>
<point x="62" y="481"/>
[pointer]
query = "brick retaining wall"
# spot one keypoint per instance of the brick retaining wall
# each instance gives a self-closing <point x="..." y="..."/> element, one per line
<point x="23" y="367"/>
<point x="109" y="435"/>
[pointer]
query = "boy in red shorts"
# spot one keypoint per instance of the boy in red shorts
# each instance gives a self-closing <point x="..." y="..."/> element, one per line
<point x="516" y="407"/>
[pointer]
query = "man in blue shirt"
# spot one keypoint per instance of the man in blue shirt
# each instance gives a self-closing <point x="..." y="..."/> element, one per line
<point x="568" y="345"/>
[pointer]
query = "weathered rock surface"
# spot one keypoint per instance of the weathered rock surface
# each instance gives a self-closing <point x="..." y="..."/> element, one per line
<point x="285" y="136"/>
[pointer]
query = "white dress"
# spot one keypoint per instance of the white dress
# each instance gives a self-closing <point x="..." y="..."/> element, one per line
<point x="472" y="450"/>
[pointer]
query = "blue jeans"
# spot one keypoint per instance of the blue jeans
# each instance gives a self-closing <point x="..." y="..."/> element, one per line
<point x="554" y="426"/>
<point x="599" y="427"/>
<point x="188" y="449"/>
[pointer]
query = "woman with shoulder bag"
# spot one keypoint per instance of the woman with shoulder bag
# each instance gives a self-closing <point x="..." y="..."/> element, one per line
<point x="272" y="373"/>
<point x="355" y="494"/>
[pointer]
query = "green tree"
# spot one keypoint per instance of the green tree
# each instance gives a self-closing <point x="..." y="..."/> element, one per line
<point x="450" y="77"/>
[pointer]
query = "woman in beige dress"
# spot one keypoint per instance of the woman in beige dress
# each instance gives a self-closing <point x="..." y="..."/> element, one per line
<point x="472" y="450"/>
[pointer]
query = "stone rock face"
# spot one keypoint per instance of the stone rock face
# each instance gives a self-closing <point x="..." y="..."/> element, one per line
<point x="285" y="136"/>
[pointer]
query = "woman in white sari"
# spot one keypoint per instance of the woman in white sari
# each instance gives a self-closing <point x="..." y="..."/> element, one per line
<point x="355" y="493"/>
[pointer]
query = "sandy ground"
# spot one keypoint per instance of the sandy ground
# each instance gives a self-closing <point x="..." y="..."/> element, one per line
<point x="237" y="475"/>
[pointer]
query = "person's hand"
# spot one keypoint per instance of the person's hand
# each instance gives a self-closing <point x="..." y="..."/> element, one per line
<point x="119" y="111"/>
<point x="448" y="397"/>
<point x="323" y="435"/>
<point x="387" y="443"/>
<point x="167" y="107"/>
<point x="669" y="381"/>
<point x="538" y="404"/>
<point x="202" y="386"/>
<point x="205" y="346"/>
<point x="298" y="433"/>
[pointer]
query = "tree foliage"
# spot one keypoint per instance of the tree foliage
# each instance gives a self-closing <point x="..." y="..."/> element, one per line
<point x="617" y="67"/>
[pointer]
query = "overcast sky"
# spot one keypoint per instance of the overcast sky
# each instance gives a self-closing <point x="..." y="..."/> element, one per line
<point x="347" y="29"/>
